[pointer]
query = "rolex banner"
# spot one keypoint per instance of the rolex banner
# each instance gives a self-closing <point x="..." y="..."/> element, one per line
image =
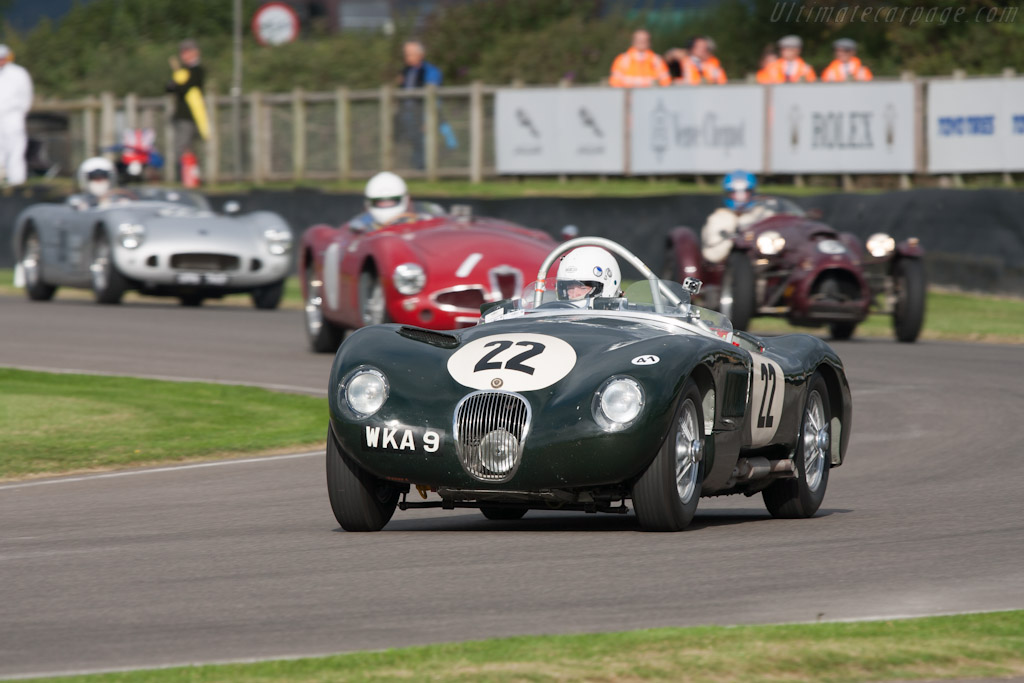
<point x="842" y="128"/>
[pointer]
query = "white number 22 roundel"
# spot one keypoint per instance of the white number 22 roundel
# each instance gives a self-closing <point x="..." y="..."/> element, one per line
<point x="512" y="362"/>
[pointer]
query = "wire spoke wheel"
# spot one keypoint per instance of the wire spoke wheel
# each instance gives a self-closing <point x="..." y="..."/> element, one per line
<point x="688" y="445"/>
<point x="100" y="268"/>
<point x="816" y="441"/>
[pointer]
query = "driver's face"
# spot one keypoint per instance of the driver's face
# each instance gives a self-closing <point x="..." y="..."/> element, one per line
<point x="578" y="290"/>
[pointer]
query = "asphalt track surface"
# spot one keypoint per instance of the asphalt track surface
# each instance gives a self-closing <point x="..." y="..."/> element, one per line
<point x="244" y="560"/>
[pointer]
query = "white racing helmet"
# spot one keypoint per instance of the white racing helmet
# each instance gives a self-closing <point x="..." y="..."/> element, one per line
<point x="588" y="272"/>
<point x="387" y="197"/>
<point x="97" y="176"/>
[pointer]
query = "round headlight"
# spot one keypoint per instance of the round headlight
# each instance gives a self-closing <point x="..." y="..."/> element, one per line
<point x="365" y="391"/>
<point x="618" y="403"/>
<point x="279" y="242"/>
<point x="770" y="242"/>
<point x="130" y="235"/>
<point x="880" y="245"/>
<point x="498" y="451"/>
<point x="409" y="278"/>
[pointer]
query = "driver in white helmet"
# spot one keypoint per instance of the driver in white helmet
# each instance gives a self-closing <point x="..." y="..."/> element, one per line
<point x="96" y="180"/>
<point x="387" y="200"/>
<point x="586" y="273"/>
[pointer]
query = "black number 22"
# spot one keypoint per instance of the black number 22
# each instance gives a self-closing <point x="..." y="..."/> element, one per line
<point x="514" y="363"/>
<point x="767" y="375"/>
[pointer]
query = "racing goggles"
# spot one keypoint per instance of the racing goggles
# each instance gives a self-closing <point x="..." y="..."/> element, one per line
<point x="569" y="290"/>
<point x="98" y="174"/>
<point x="385" y="202"/>
<point x="740" y="196"/>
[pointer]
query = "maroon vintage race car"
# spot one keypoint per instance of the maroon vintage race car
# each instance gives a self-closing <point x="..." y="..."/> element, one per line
<point x="435" y="271"/>
<point x="791" y="265"/>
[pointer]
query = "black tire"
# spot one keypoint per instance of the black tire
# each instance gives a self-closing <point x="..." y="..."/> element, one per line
<point x="372" y="303"/>
<point x="268" y="297"/>
<point x="36" y="287"/>
<point x="360" y="501"/>
<point x="665" y="496"/>
<point x="108" y="285"/>
<point x="737" y="298"/>
<point x="191" y="300"/>
<point x="801" y="497"/>
<point x="909" y="280"/>
<point x="842" y="331"/>
<point x="503" y="513"/>
<point x="324" y="336"/>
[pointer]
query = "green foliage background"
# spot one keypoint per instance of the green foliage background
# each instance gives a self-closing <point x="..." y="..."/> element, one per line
<point x="123" y="45"/>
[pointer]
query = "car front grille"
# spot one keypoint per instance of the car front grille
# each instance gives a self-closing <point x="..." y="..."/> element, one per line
<point x="461" y="299"/>
<point x="206" y="262"/>
<point x="490" y="428"/>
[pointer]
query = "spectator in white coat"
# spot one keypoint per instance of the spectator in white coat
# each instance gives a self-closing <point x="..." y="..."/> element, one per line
<point x="15" y="101"/>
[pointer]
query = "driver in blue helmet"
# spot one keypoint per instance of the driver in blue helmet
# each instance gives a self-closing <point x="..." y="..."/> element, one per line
<point x="740" y="211"/>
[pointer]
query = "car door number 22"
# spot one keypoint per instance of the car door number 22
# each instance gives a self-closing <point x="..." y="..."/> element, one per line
<point x="768" y="389"/>
<point x="515" y="362"/>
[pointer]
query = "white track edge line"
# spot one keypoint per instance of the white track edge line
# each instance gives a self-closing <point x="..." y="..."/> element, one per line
<point x="157" y="470"/>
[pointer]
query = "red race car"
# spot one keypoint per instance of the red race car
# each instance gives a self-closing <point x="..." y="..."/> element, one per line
<point x="792" y="265"/>
<point x="435" y="271"/>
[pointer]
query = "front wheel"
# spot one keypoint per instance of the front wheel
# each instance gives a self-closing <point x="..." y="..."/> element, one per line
<point x="665" y="496"/>
<point x="737" y="300"/>
<point x="801" y="497"/>
<point x="360" y="501"/>
<point x="842" y="331"/>
<point x="32" y="267"/>
<point x="191" y="300"/>
<point x="324" y="336"/>
<point x="372" y="304"/>
<point x="268" y="297"/>
<point x="108" y="285"/>
<point x="908" y="317"/>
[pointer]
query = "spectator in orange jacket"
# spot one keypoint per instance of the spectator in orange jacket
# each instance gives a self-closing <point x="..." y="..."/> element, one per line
<point x="789" y="67"/>
<point x="846" y="66"/>
<point x="638" y="67"/>
<point x="768" y="57"/>
<point x="702" y="54"/>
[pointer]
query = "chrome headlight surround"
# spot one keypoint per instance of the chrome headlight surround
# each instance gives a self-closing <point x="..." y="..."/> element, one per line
<point x="409" y="278"/>
<point x="881" y="245"/>
<point x="131" y="235"/>
<point x="364" y="391"/>
<point x="279" y="241"/>
<point x="770" y="242"/>
<point x="618" y="403"/>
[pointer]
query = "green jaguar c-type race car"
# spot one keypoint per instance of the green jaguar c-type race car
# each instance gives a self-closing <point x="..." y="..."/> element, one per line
<point x="559" y="403"/>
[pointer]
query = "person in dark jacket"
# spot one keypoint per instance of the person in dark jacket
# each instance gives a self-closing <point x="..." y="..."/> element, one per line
<point x="418" y="73"/>
<point x="189" y="118"/>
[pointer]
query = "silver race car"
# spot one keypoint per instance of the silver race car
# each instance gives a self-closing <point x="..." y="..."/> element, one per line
<point x="158" y="241"/>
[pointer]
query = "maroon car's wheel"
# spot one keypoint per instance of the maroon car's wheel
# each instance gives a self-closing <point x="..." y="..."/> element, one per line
<point x="842" y="331"/>
<point x="360" y="501"/>
<point x="801" y="497"/>
<point x="908" y="317"/>
<point x="737" y="298"/>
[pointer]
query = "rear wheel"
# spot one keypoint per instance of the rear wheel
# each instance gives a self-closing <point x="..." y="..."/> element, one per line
<point x="191" y="300"/>
<point x="842" y="331"/>
<point x="503" y="513"/>
<point x="268" y="297"/>
<point x="801" y="497"/>
<point x="360" y="501"/>
<point x="372" y="304"/>
<point x="108" y="285"/>
<point x="665" y="496"/>
<point x="32" y="267"/>
<point x="737" y="299"/>
<point x="324" y="336"/>
<point x="909" y="281"/>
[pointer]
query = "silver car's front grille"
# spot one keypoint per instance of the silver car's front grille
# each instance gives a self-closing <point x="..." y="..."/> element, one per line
<point x="490" y="428"/>
<point x="215" y="262"/>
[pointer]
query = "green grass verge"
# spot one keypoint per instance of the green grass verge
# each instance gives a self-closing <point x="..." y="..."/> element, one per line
<point x="971" y="646"/>
<point x="949" y="316"/>
<point x="60" y="423"/>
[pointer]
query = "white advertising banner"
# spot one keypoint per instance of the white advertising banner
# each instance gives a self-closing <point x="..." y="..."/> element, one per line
<point x="842" y="128"/>
<point x="976" y="125"/>
<point x="559" y="130"/>
<point x="712" y="129"/>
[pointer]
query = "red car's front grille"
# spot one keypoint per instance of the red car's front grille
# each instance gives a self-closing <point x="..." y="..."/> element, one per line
<point x="507" y="284"/>
<point x="465" y="299"/>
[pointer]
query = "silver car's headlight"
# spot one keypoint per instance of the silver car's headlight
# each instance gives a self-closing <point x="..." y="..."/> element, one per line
<point x="131" y="235"/>
<point x="409" y="278"/>
<point x="770" y="242"/>
<point x="618" y="403"/>
<point x="880" y="244"/>
<point x="279" y="242"/>
<point x="364" y="392"/>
